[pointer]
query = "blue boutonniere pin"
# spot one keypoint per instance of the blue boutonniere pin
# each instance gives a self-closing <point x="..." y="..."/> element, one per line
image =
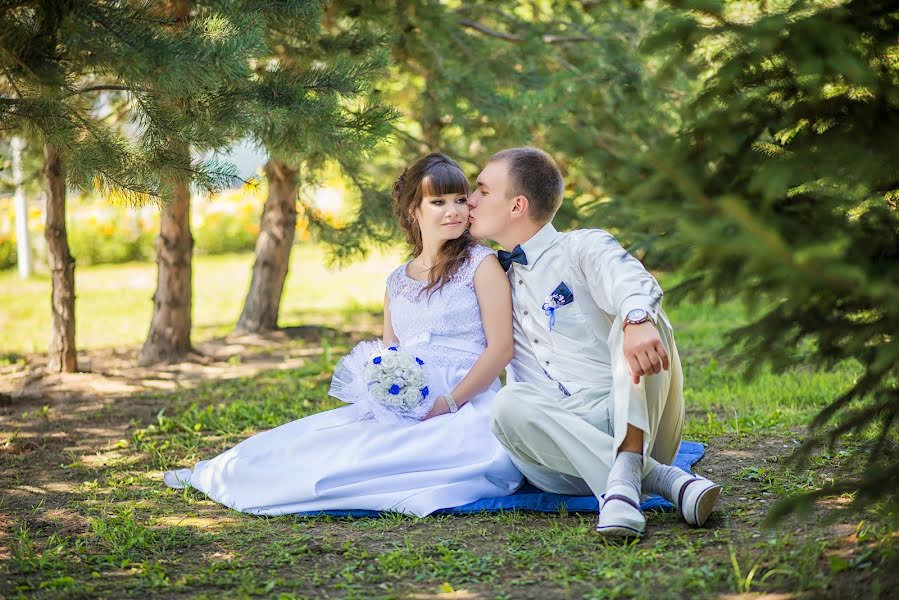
<point x="559" y="297"/>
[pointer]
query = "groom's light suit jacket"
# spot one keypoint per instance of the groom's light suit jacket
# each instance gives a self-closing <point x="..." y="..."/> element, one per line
<point x="606" y="283"/>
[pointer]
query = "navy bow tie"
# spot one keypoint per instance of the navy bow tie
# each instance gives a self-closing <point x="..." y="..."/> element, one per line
<point x="507" y="258"/>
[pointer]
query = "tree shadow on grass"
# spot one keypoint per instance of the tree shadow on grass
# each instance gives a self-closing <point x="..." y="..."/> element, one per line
<point x="311" y="333"/>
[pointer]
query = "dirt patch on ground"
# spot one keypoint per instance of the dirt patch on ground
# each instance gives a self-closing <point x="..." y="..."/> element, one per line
<point x="113" y="373"/>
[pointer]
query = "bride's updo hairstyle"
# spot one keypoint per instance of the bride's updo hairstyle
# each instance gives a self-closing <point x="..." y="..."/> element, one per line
<point x="434" y="175"/>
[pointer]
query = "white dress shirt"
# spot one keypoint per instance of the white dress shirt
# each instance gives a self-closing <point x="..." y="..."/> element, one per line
<point x="606" y="283"/>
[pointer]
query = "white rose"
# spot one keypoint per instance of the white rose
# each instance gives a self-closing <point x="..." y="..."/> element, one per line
<point x="411" y="397"/>
<point x="379" y="390"/>
<point x="370" y="371"/>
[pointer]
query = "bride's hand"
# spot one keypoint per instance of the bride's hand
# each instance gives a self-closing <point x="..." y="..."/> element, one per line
<point x="440" y="408"/>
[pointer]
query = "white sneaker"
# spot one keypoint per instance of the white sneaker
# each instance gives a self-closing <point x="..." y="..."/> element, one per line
<point x="179" y="479"/>
<point x="696" y="499"/>
<point x="620" y="516"/>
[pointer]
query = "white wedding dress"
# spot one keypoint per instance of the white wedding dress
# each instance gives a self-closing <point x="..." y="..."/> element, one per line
<point x="333" y="461"/>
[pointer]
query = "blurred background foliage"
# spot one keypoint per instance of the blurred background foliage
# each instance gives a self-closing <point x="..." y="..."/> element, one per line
<point x="108" y="230"/>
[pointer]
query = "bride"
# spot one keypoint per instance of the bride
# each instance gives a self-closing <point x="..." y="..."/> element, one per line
<point x="451" y="307"/>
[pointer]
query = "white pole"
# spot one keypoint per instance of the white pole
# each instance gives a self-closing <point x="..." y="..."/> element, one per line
<point x="23" y="245"/>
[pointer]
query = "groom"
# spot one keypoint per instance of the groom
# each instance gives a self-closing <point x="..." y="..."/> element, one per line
<point x="594" y="397"/>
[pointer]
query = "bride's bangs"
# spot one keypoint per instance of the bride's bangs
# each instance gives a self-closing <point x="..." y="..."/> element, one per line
<point x="443" y="178"/>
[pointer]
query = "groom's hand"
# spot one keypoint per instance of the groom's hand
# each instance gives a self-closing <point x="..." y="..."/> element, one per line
<point x="643" y="350"/>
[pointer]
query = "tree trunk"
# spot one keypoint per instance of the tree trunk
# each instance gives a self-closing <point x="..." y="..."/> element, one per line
<point x="279" y="220"/>
<point x="169" y="337"/>
<point x="62" y="267"/>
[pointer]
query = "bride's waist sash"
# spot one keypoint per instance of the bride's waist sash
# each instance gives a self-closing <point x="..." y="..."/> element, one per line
<point x="429" y="339"/>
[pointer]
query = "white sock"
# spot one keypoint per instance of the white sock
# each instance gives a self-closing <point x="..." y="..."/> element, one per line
<point x="626" y="475"/>
<point x="666" y="481"/>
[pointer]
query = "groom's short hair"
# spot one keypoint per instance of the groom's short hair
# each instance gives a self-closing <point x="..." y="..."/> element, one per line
<point x="534" y="174"/>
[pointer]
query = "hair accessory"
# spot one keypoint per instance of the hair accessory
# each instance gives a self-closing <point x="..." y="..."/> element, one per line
<point x="400" y="185"/>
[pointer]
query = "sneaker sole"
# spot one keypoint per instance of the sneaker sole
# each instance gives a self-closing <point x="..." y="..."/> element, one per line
<point x="705" y="504"/>
<point x="619" y="531"/>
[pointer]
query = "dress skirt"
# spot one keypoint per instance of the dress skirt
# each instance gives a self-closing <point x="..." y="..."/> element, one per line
<point x="333" y="461"/>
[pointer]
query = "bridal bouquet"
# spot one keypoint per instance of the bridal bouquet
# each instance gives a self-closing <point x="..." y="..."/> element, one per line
<point x="385" y="383"/>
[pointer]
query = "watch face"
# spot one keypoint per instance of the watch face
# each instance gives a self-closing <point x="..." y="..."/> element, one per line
<point x="637" y="315"/>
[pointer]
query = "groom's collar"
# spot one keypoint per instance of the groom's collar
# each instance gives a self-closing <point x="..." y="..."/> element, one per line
<point x="539" y="243"/>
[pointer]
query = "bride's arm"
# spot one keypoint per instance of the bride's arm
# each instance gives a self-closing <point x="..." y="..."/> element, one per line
<point x="389" y="336"/>
<point x="495" y="300"/>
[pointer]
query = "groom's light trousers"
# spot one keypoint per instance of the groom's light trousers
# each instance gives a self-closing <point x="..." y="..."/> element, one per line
<point x="567" y="444"/>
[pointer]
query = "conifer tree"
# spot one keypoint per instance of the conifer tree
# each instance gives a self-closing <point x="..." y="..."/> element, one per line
<point x="169" y="337"/>
<point x="60" y="67"/>
<point x="292" y="103"/>
<point x="325" y="63"/>
<point x="780" y="188"/>
<point x="467" y="78"/>
<point x="474" y="77"/>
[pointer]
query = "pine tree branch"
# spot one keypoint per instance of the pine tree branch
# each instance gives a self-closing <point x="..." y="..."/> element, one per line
<point x="412" y="139"/>
<point x="561" y="39"/>
<point x="489" y="31"/>
<point x="107" y="23"/>
<point x="9" y="76"/>
<point x="15" y="89"/>
<point x="511" y="37"/>
<point x="105" y="88"/>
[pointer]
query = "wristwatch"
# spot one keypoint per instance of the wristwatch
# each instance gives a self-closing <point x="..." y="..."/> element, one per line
<point x="635" y="316"/>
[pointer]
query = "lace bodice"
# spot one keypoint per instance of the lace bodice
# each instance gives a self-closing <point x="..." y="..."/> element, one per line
<point x="452" y="311"/>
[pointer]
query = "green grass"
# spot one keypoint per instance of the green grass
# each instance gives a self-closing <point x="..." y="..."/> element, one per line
<point x="87" y="515"/>
<point x="114" y="303"/>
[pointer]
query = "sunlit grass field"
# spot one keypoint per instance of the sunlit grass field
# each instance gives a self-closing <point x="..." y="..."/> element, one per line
<point x="114" y="303"/>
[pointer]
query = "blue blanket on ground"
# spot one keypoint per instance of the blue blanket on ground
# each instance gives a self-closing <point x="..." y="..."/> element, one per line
<point x="530" y="498"/>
